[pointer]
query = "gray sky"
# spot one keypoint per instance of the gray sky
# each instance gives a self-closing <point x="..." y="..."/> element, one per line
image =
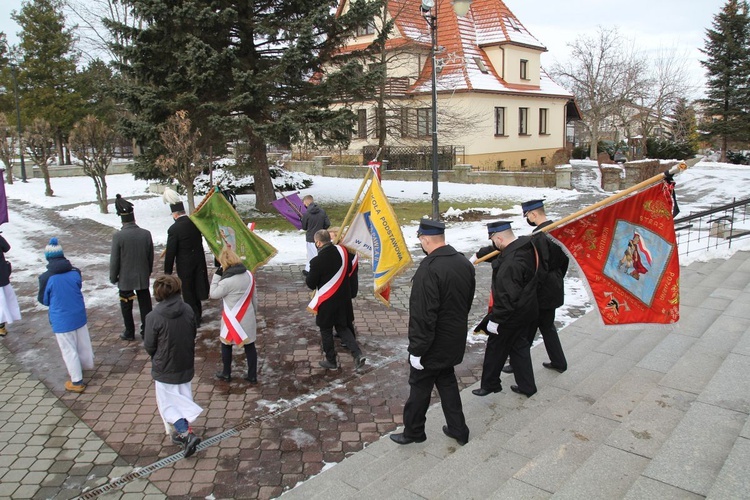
<point x="653" y="25"/>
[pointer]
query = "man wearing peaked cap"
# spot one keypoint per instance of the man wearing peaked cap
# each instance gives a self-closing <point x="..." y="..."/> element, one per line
<point x="130" y="265"/>
<point x="441" y="296"/>
<point x="550" y="291"/>
<point x="513" y="308"/>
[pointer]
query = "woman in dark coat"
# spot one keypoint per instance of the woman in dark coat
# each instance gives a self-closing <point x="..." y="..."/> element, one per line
<point x="9" y="310"/>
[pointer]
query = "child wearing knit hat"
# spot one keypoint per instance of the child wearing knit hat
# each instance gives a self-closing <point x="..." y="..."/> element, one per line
<point x="60" y="290"/>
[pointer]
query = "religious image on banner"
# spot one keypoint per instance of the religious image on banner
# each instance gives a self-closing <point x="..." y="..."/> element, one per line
<point x="628" y="254"/>
<point x="221" y="225"/>
<point x="376" y="235"/>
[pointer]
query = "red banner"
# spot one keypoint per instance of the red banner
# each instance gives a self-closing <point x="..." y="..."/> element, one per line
<point x="628" y="254"/>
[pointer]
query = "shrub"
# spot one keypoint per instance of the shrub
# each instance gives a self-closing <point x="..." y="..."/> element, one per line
<point x="282" y="179"/>
<point x="669" y="150"/>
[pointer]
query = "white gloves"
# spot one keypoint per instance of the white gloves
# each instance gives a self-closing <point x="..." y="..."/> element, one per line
<point x="473" y="258"/>
<point x="492" y="327"/>
<point x="416" y="362"/>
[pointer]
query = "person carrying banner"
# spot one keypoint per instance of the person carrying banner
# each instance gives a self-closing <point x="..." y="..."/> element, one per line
<point x="441" y="295"/>
<point x="233" y="283"/>
<point x="9" y="310"/>
<point x="332" y="302"/>
<point x="514" y="309"/>
<point x="60" y="290"/>
<point x="170" y="341"/>
<point x="353" y="276"/>
<point x="550" y="289"/>
<point x="313" y="220"/>
<point x="185" y="249"/>
<point x="130" y="265"/>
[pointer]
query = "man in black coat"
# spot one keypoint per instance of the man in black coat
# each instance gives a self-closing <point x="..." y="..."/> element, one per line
<point x="185" y="248"/>
<point x="551" y="290"/>
<point x="329" y="276"/>
<point x="130" y="266"/>
<point x="514" y="309"/>
<point x="441" y="295"/>
<point x="313" y="220"/>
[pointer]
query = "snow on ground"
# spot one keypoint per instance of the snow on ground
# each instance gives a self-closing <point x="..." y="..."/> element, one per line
<point x="698" y="188"/>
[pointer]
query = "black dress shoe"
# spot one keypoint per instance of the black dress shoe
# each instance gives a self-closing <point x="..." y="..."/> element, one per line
<point x="515" y="389"/>
<point x="191" y="443"/>
<point x="484" y="392"/>
<point x="401" y="439"/>
<point x="223" y="376"/>
<point x="508" y="368"/>
<point x="127" y="336"/>
<point x="252" y="380"/>
<point x="553" y="367"/>
<point x="458" y="439"/>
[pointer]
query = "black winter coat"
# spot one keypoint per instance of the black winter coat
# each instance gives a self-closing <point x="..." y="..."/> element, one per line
<point x="551" y="289"/>
<point x="313" y="220"/>
<point x="4" y="264"/>
<point x="514" y="281"/>
<point x="185" y="249"/>
<point x="441" y="295"/>
<point x="132" y="258"/>
<point x="169" y="339"/>
<point x="338" y="309"/>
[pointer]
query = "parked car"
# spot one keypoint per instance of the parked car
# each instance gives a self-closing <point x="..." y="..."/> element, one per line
<point x="620" y="157"/>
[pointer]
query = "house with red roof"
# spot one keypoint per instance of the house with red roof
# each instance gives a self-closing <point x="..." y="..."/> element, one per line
<point x="497" y="107"/>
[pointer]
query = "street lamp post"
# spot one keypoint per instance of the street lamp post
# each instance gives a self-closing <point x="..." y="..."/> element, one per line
<point x="461" y="8"/>
<point x="18" y="122"/>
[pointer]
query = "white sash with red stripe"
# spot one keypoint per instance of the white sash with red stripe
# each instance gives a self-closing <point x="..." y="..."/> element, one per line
<point x="326" y="291"/>
<point x="234" y="332"/>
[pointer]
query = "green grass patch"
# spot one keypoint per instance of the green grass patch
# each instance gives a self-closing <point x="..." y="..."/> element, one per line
<point x="407" y="212"/>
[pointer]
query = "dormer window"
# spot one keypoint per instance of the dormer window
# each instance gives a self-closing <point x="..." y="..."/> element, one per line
<point x="513" y="24"/>
<point x="480" y="65"/>
<point x="524" y="69"/>
<point x="366" y="30"/>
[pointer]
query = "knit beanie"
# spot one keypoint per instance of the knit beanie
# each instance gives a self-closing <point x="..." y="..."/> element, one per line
<point x="53" y="249"/>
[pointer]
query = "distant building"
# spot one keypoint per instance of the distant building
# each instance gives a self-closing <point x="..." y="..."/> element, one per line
<point x="497" y="107"/>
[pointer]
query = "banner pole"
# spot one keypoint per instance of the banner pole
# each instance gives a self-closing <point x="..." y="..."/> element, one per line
<point x="348" y="217"/>
<point x="607" y="201"/>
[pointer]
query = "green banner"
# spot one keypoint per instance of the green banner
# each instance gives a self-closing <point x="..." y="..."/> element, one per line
<point x="221" y="225"/>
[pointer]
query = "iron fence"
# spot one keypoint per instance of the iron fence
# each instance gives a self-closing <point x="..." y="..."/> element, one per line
<point x="413" y="157"/>
<point x="713" y="228"/>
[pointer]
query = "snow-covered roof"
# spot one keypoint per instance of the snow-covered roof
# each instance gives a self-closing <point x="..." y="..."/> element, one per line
<point x="462" y="41"/>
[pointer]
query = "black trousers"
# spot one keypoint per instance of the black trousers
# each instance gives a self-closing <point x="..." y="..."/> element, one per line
<point x="421" y="383"/>
<point x="190" y="296"/>
<point x="546" y="325"/>
<point x="513" y="344"/>
<point x="126" y="307"/>
<point x="347" y="337"/>
<point x="251" y="353"/>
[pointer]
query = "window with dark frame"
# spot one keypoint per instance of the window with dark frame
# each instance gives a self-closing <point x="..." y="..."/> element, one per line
<point x="543" y="112"/>
<point x="499" y="121"/>
<point x="523" y="121"/>
<point x="524" y="69"/>
<point x="366" y="30"/>
<point x="424" y="122"/>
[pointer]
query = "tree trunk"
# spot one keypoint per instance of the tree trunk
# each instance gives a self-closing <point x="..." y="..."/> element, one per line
<point x="190" y="192"/>
<point x="9" y="175"/>
<point x="264" y="191"/>
<point x="48" y="185"/>
<point x="102" y="194"/>
<point x="59" y="147"/>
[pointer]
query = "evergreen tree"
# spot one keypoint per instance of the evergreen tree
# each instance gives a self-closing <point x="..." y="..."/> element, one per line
<point x="727" y="64"/>
<point x="261" y="73"/>
<point x="48" y="68"/>
<point x="685" y="125"/>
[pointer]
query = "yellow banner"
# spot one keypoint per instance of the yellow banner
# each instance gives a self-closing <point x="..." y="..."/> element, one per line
<point x="375" y="234"/>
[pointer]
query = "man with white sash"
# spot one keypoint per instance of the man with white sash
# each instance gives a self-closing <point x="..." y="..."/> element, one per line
<point x="332" y="302"/>
<point x="236" y="285"/>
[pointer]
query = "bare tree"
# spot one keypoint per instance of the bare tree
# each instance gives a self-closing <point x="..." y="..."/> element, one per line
<point x="182" y="160"/>
<point x="92" y="17"/>
<point x="40" y="144"/>
<point x="7" y="147"/>
<point x="604" y="74"/>
<point x="92" y="141"/>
